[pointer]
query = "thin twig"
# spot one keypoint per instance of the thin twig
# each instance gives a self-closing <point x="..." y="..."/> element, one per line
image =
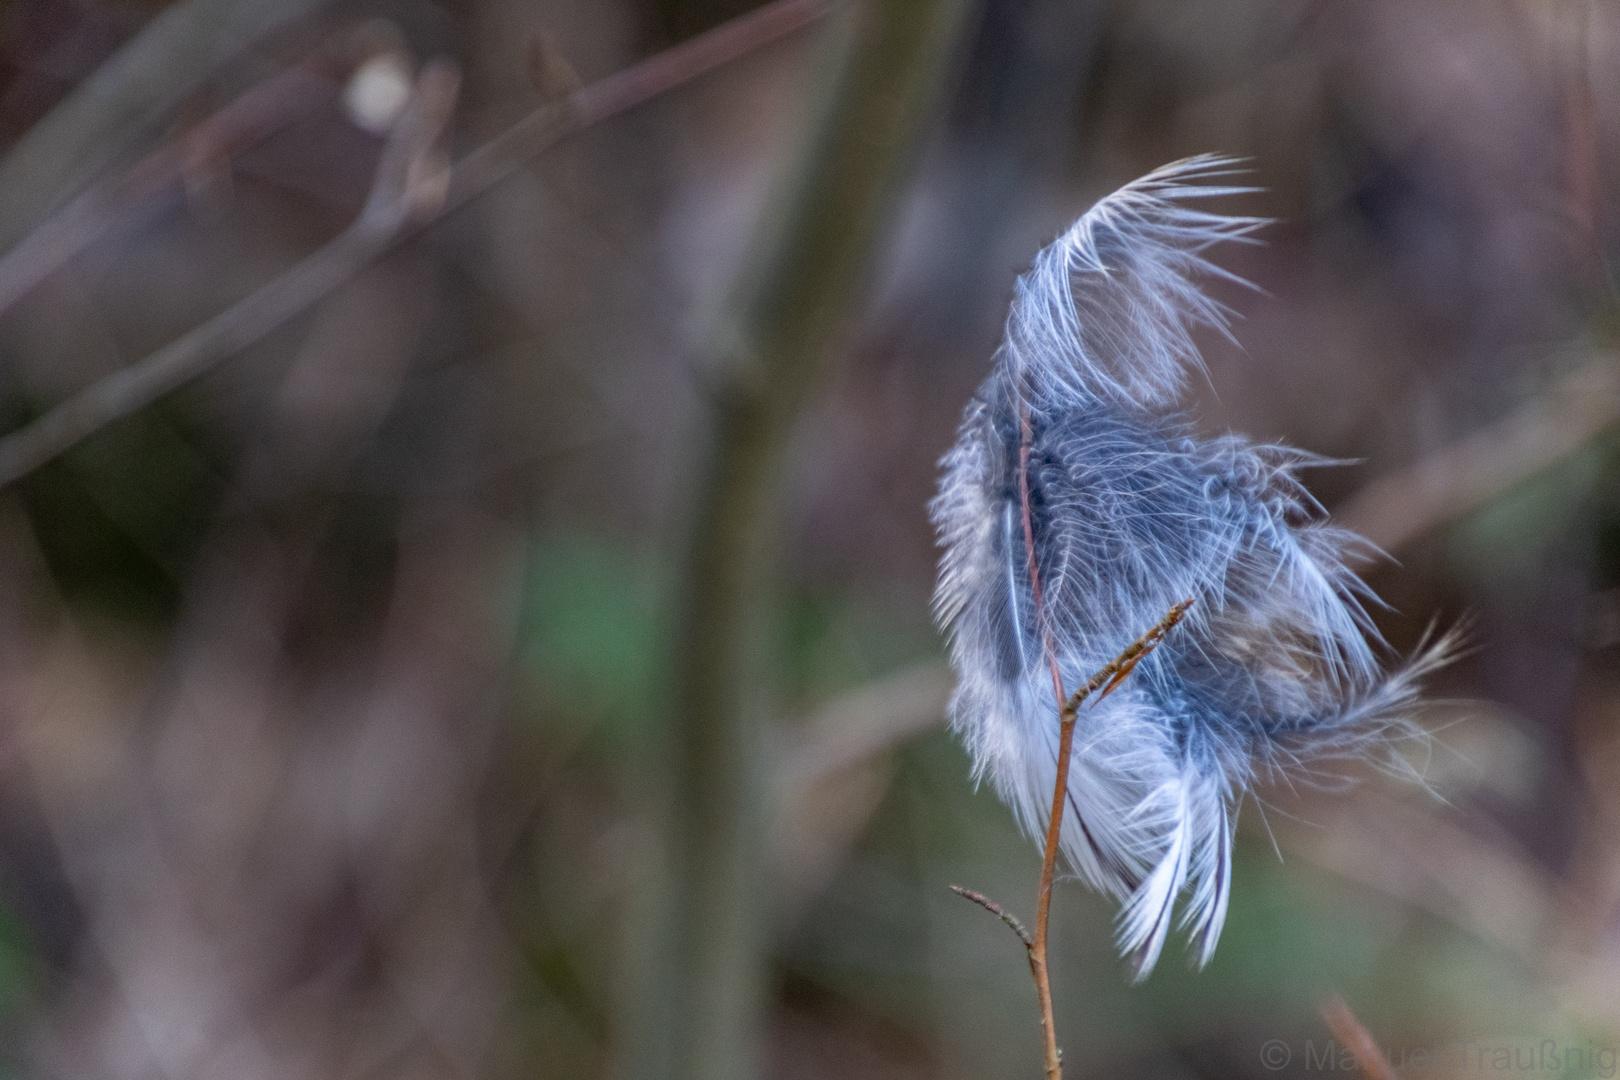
<point x="1110" y="675"/>
<point x="1054" y="827"/>
<point x="497" y="159"/>
<point x="1356" y="1038"/>
<point x="998" y="911"/>
<point x="1114" y="672"/>
<point x="1043" y="901"/>
<point x="378" y="229"/>
<point x="133" y="90"/>
<point x="400" y="192"/>
<point x="249" y="119"/>
<point x="1108" y="679"/>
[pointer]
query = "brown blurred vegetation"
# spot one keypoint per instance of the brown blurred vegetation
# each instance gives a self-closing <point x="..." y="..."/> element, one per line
<point x="335" y="686"/>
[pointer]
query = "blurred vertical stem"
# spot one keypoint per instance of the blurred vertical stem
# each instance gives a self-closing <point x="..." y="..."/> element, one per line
<point x="802" y="282"/>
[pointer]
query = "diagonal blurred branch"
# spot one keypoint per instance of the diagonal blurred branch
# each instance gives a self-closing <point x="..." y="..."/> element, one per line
<point x="1396" y="509"/>
<point x="864" y="722"/>
<point x="831" y="772"/>
<point x="250" y="118"/>
<point x="1354" y="1036"/>
<point x="497" y="159"/>
<point x="320" y="273"/>
<point x="145" y="80"/>
<point x="402" y="190"/>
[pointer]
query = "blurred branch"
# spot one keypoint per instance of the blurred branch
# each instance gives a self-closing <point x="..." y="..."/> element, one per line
<point x="266" y="108"/>
<point x="1485" y="886"/>
<point x="1395" y="509"/>
<point x="832" y="772"/>
<point x="184" y="359"/>
<point x="1356" y="1038"/>
<point x="404" y="189"/>
<point x="866" y="721"/>
<point x="142" y="82"/>
<point x="801" y="283"/>
<point x="501" y="156"/>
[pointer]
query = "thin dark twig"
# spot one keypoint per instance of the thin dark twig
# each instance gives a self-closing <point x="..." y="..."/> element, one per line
<point x="998" y="911"/>
<point x="428" y="195"/>
<point x="497" y="159"/>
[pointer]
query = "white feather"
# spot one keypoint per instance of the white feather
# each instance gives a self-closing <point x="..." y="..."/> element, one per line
<point x="1274" y="667"/>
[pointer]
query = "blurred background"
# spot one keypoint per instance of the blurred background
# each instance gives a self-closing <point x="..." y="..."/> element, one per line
<point x="334" y="685"/>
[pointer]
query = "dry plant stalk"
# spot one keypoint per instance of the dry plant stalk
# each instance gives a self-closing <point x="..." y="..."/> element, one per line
<point x="401" y="204"/>
<point x="1106" y="680"/>
<point x="804" y="275"/>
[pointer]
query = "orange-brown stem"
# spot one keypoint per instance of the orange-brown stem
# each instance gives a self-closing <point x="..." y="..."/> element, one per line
<point x="1043" y="903"/>
<point x="1068" y="709"/>
<point x="1109" y="676"/>
<point x="1034" y="569"/>
<point x="1054" y="830"/>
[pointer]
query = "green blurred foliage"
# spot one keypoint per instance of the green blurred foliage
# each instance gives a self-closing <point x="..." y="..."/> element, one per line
<point x="19" y="971"/>
<point x="21" y="989"/>
<point x="593" y="637"/>
<point x="594" y="640"/>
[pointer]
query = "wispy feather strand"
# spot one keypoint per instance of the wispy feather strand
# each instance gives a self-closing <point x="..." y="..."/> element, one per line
<point x="1273" y="669"/>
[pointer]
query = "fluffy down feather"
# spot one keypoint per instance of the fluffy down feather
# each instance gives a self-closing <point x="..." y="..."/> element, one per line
<point x="1274" y="667"/>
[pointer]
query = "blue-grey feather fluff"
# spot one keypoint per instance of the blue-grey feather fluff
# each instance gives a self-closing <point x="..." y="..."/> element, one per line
<point x="1274" y="666"/>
